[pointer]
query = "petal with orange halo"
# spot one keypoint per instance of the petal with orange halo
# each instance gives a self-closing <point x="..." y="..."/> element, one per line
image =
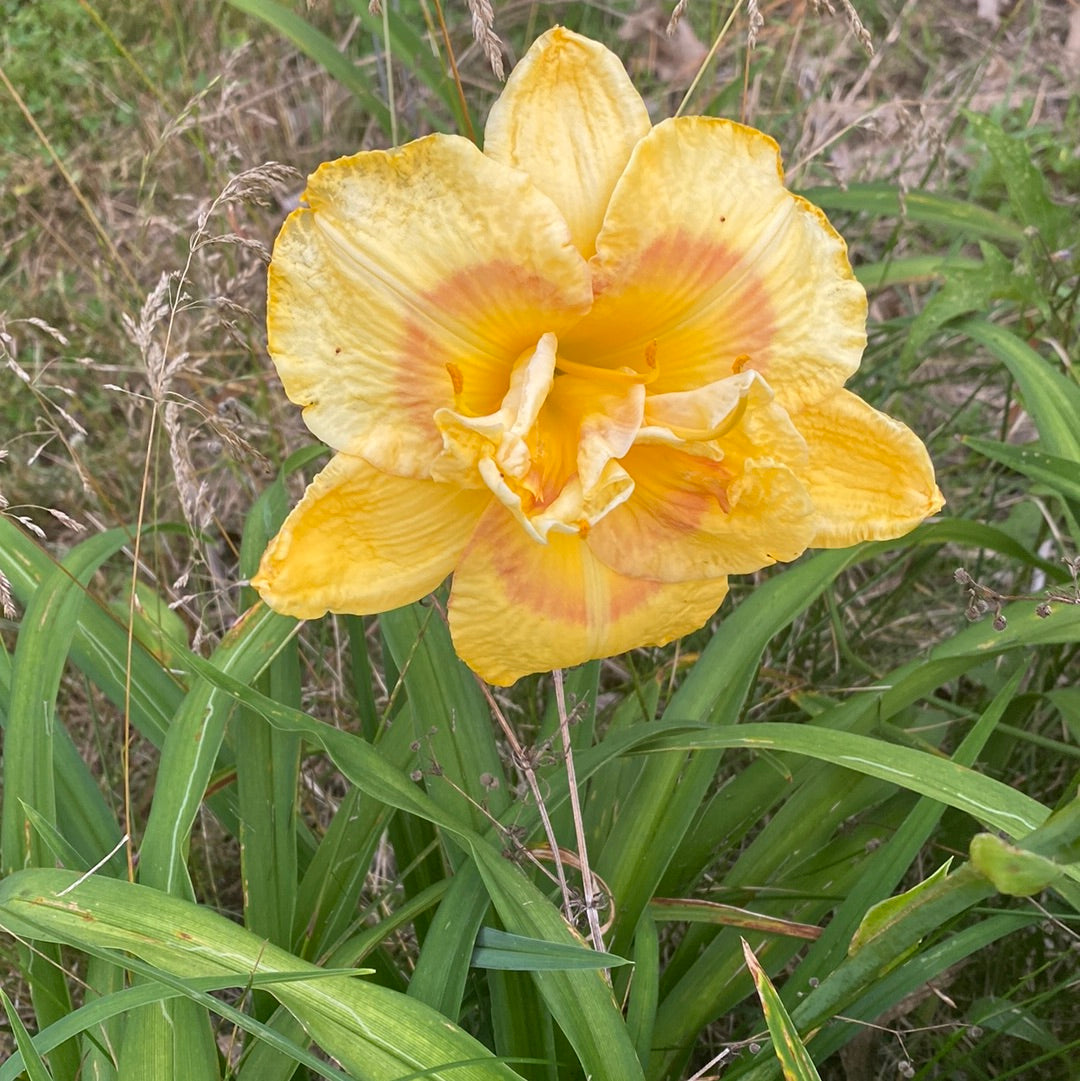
<point x="411" y="281"/>
<point x="691" y="518"/>
<point x="569" y="117"/>
<point x="705" y="253"/>
<point x="518" y="607"/>
<point x="364" y="541"/>
<point x="869" y="475"/>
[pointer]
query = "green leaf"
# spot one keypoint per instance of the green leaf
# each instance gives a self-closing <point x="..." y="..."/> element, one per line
<point x="999" y="1014"/>
<point x="517" y="953"/>
<point x="171" y="1041"/>
<point x="913" y="270"/>
<point x="99" y="648"/>
<point x="1060" y="474"/>
<point x="940" y="212"/>
<point x="580" y="1001"/>
<point x="669" y="791"/>
<point x="644" y="986"/>
<point x="33" y="732"/>
<point x="790" y="1050"/>
<point x="159" y="986"/>
<point x="1013" y="871"/>
<point x="1029" y="195"/>
<point x="880" y="917"/>
<point x="983" y="797"/>
<point x="32" y="1062"/>
<point x="963" y="291"/>
<point x="374" y="1032"/>
<point x="1052" y="399"/>
<point x="322" y="50"/>
<point x="189" y="756"/>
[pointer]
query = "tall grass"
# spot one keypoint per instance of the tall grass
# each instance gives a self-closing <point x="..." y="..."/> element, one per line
<point x="834" y="833"/>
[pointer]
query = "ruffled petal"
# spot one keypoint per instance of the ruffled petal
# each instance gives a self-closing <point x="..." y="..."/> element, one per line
<point x="691" y="518"/>
<point x="869" y="475"/>
<point x="569" y="117"/>
<point x="707" y="260"/>
<point x="364" y="541"/>
<point x="518" y="607"/>
<point x="412" y="281"/>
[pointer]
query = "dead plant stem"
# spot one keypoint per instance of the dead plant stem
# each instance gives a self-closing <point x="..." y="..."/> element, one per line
<point x="575" y="806"/>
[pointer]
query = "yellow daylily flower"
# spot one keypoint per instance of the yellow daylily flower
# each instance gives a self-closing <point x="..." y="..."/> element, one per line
<point x="590" y="372"/>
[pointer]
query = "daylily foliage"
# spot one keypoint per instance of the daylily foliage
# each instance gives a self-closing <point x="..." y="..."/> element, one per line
<point x="590" y="371"/>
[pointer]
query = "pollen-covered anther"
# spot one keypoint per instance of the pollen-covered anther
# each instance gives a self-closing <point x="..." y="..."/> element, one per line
<point x="740" y="363"/>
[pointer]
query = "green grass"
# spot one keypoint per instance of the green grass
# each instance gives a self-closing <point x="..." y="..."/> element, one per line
<point x="342" y="796"/>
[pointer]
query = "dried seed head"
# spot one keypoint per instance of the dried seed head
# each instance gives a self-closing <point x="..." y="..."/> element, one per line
<point x="483" y="28"/>
<point x="756" y="21"/>
<point x="1000" y="623"/>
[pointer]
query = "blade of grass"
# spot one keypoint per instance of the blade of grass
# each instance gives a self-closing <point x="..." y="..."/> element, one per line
<point x="861" y="973"/>
<point x="322" y="50"/>
<point x="580" y="1001"/>
<point x="1052" y="399"/>
<point x="889" y="863"/>
<point x="644" y="986"/>
<point x="450" y="714"/>
<point x="496" y="949"/>
<point x="1060" y="474"/>
<point x="790" y="1050"/>
<point x="373" y="1032"/>
<point x="985" y="798"/>
<point x="670" y="790"/>
<point x="33" y="1063"/>
<point x="99" y="645"/>
<point x="268" y="765"/>
<point x="33" y="731"/>
<point x="881" y="200"/>
<point x="191" y="746"/>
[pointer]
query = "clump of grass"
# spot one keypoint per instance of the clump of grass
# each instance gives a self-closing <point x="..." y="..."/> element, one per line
<point x="138" y="390"/>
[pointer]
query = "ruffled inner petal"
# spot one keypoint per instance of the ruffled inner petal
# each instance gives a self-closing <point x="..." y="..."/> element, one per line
<point x="690" y="517"/>
<point x="717" y="486"/>
<point x="364" y="541"/>
<point x="518" y="607"/>
<point x="550" y="452"/>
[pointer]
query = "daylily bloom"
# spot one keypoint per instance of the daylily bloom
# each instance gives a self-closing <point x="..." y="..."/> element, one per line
<point x="590" y="371"/>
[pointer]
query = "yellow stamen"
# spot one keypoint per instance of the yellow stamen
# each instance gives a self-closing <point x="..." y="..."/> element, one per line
<point x="456" y="378"/>
<point x="608" y="375"/>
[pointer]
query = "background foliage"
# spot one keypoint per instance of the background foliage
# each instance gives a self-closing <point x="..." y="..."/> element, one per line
<point x="341" y="796"/>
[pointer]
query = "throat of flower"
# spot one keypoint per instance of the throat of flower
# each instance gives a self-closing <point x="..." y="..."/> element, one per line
<point x="550" y="453"/>
<point x="623" y="376"/>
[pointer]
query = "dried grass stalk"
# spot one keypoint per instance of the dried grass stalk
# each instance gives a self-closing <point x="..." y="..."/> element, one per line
<point x="483" y="28"/>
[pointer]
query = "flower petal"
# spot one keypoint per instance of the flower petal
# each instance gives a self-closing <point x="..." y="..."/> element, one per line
<point x="412" y="281"/>
<point x="691" y="518"/>
<point x="569" y="117"/>
<point x="709" y="261"/>
<point x="518" y="607"/>
<point x="869" y="475"/>
<point x="364" y="541"/>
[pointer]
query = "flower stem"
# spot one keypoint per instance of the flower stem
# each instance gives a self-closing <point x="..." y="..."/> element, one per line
<point x="579" y="826"/>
